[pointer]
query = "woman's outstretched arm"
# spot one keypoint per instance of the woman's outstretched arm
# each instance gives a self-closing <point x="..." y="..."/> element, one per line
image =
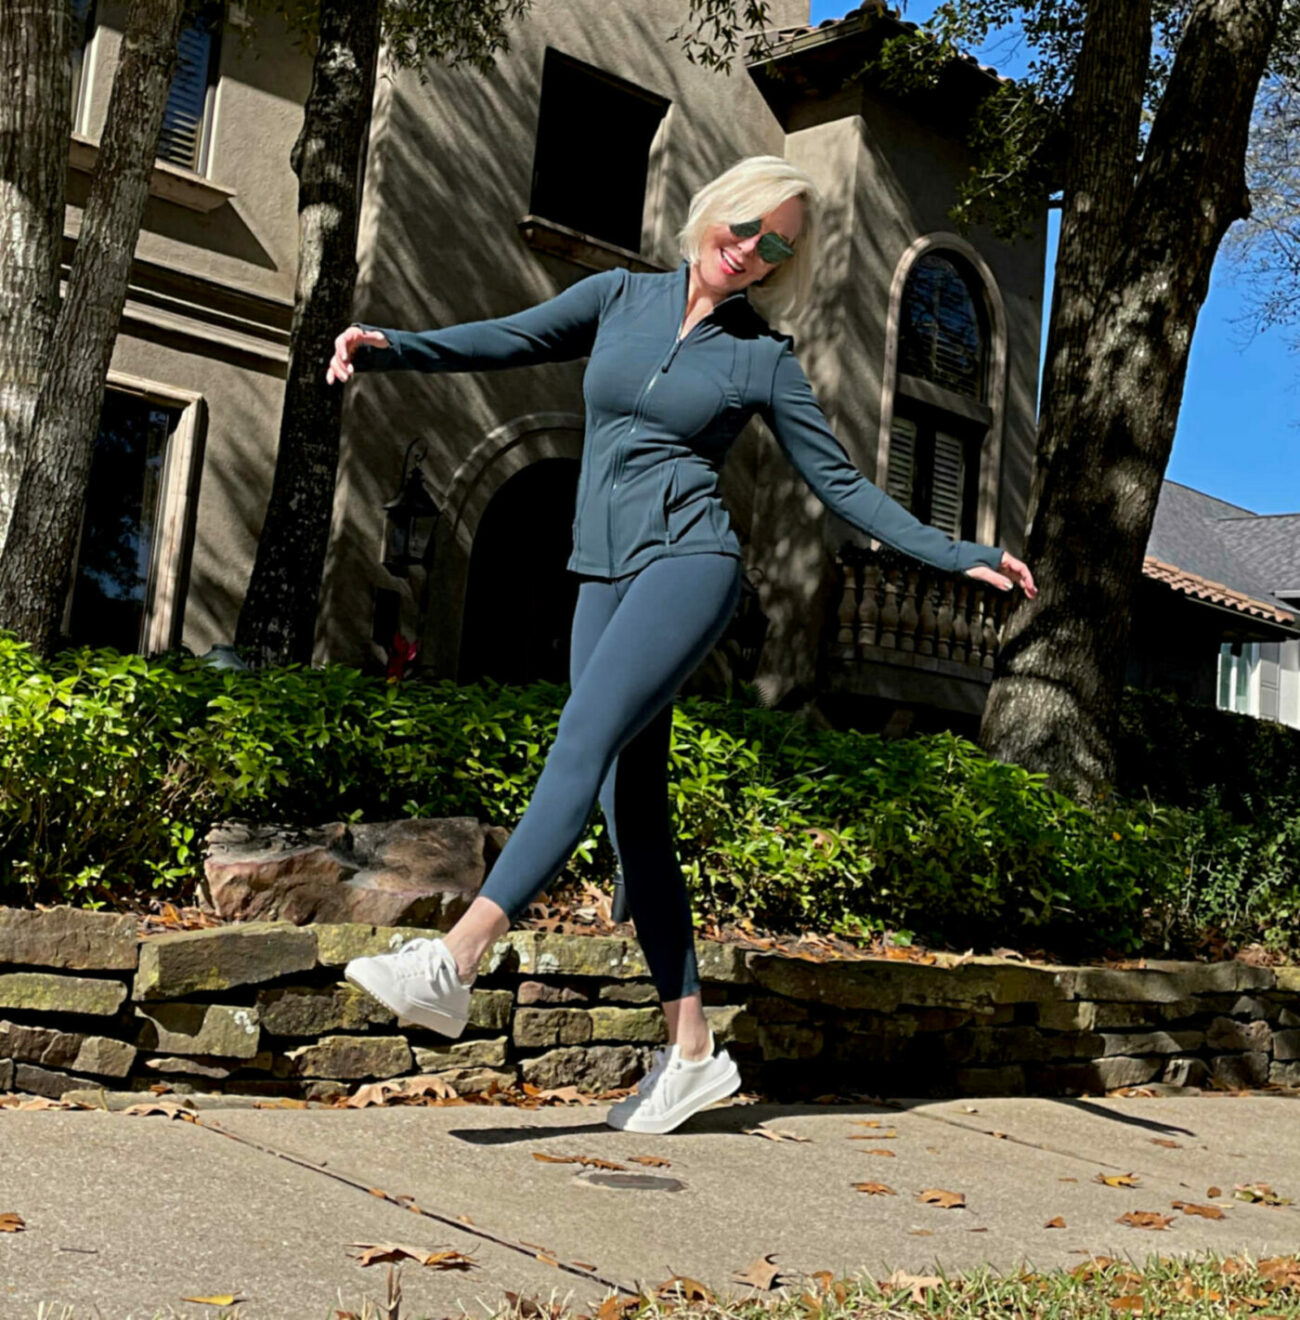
<point x="557" y="330"/>
<point x="796" y="419"/>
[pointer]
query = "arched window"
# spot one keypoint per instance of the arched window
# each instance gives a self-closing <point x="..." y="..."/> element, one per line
<point x="941" y="333"/>
<point x="941" y="416"/>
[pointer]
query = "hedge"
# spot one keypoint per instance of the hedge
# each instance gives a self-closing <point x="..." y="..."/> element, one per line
<point x="113" y="768"/>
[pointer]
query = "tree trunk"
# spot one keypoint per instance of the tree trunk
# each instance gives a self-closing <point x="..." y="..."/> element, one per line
<point x="37" y="559"/>
<point x="1055" y="698"/>
<point x="278" y="618"/>
<point x="1103" y="119"/>
<point x="35" y="121"/>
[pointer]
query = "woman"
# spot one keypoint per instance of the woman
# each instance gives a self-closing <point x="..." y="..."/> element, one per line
<point x="678" y="364"/>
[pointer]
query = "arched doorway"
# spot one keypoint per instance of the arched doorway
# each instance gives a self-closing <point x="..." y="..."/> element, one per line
<point x="519" y="596"/>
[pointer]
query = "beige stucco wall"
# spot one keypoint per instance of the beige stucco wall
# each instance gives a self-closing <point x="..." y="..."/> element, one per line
<point x="449" y="174"/>
<point x="245" y="251"/>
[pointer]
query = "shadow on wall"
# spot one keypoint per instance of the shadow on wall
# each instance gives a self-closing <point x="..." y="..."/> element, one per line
<point x="449" y="176"/>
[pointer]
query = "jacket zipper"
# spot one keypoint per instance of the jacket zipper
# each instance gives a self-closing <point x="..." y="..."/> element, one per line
<point x="636" y="416"/>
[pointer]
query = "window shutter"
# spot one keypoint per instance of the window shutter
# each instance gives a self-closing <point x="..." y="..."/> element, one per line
<point x="182" y="130"/>
<point x="902" y="461"/>
<point x="945" y="499"/>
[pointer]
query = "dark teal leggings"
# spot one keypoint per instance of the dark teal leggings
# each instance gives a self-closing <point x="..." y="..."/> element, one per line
<point x="635" y="640"/>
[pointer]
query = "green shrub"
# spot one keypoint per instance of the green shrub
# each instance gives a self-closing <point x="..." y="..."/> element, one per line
<point x="113" y="768"/>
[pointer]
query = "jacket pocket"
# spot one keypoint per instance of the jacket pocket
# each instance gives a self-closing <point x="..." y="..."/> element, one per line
<point x="666" y="500"/>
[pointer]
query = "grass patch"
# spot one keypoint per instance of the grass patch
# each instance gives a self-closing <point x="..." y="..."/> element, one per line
<point x="1100" y="1288"/>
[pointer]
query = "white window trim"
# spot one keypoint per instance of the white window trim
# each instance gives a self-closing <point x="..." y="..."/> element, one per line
<point x="169" y="555"/>
<point x="986" y="513"/>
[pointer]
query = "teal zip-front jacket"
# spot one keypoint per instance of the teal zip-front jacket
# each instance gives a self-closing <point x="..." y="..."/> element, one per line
<point x="662" y="414"/>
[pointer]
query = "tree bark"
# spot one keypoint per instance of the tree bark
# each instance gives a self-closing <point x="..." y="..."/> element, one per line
<point x="35" y="121"/>
<point x="278" y="617"/>
<point x="1103" y="120"/>
<point x="37" y="558"/>
<point x="1055" y="698"/>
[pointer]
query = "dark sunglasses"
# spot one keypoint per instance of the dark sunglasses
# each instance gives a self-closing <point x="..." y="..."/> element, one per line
<point x="772" y="248"/>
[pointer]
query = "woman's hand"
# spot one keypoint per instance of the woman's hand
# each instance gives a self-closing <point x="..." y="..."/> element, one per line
<point x="1015" y="571"/>
<point x="345" y="345"/>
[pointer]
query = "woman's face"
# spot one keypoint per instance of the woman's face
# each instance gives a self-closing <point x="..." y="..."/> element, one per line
<point x="727" y="264"/>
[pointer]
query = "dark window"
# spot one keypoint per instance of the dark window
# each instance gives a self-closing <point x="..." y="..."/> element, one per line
<point x="117" y="535"/>
<point x="83" y="28"/>
<point x="941" y="331"/>
<point x="593" y="148"/>
<point x="186" y="116"/>
<point x="934" y="467"/>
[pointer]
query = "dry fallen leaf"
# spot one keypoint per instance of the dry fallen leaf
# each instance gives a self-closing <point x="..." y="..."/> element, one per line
<point x="873" y="1136"/>
<point x="587" y="1161"/>
<point x="376" y="1093"/>
<point x="874" y="1189"/>
<point x="1131" y="1305"/>
<point x="888" y="1154"/>
<point x="1166" y="1143"/>
<point x="759" y="1274"/>
<point x="1058" y="1222"/>
<point x="944" y="1200"/>
<point x="429" y="1085"/>
<point x="773" y="1135"/>
<point x="1145" y="1219"/>
<point x="867" y="1122"/>
<point x="650" y="1161"/>
<point x="1261" y="1193"/>
<point x="614" y="1307"/>
<point x="689" y="1289"/>
<point x="167" y="1108"/>
<point x="917" y="1284"/>
<point x="1118" y="1179"/>
<point x="10" y="1222"/>
<point x="219" y="1299"/>
<point x="1213" y="1192"/>
<point x="921" y="1232"/>
<point x="285" y="1102"/>
<point x="373" y="1252"/>
<point x="1205" y="1211"/>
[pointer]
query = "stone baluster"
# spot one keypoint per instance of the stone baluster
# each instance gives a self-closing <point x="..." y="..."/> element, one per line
<point x="869" y="608"/>
<point x="961" y="622"/>
<point x="928" y="591"/>
<point x="889" y="610"/>
<point x="910" y="614"/>
<point x="992" y="609"/>
<point x="943" y="622"/>
<point x="846" y="638"/>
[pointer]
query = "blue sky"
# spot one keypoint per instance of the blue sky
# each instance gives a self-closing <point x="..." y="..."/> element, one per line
<point x="1238" y="435"/>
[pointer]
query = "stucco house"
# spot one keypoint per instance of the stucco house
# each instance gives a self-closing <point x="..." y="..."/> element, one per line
<point x="484" y="194"/>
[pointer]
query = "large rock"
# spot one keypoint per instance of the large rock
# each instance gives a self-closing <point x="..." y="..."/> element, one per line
<point x="338" y="943"/>
<point x="55" y="1049"/>
<point x="313" y="1010"/>
<point x="225" y="1030"/>
<point x="46" y="992"/>
<point x="1225" y="1034"/>
<point x="551" y="1026"/>
<point x="1240" y="1071"/>
<point x="104" y="1057"/>
<point x="642" y="1025"/>
<point x="221" y="957"/>
<point x="68" y="937"/>
<point x="597" y="1068"/>
<point x="404" y="872"/>
<point x="462" y="1054"/>
<point x="352" y="1056"/>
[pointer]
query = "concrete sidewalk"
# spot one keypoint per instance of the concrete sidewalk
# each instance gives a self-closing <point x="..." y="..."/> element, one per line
<point x="127" y="1215"/>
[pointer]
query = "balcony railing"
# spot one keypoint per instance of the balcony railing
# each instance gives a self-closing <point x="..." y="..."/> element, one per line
<point x="898" y="613"/>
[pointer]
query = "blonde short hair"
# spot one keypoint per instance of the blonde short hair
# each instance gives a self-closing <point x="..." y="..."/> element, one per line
<point x="750" y="188"/>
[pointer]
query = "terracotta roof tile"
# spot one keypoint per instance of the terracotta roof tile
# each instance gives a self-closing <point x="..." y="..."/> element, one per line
<point x="1191" y="584"/>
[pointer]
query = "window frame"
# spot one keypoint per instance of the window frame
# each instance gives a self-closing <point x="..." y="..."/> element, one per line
<point x="989" y="412"/>
<point x="171" y="549"/>
<point x="554" y="60"/>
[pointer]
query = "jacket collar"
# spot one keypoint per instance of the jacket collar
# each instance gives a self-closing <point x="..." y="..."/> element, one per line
<point x="682" y="285"/>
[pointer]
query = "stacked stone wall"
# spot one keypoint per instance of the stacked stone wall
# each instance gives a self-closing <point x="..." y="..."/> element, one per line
<point x="88" y="1006"/>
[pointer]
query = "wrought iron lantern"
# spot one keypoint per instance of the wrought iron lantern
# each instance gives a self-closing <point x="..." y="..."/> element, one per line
<point x="410" y="520"/>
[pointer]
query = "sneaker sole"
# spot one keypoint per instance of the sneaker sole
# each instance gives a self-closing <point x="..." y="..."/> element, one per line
<point x="723" y="1087"/>
<point x="443" y="1023"/>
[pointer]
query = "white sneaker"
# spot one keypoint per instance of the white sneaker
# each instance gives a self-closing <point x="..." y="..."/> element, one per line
<point x="674" y="1089"/>
<point x="418" y="982"/>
